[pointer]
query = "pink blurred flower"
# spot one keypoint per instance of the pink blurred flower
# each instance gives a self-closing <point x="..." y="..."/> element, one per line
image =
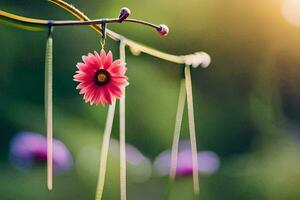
<point x="101" y="79"/>
<point x="28" y="149"/>
<point x="208" y="161"/>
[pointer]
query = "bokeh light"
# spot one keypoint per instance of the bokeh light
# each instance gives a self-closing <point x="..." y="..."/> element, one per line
<point x="291" y="11"/>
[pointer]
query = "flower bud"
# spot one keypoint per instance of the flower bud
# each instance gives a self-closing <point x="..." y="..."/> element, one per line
<point x="163" y="29"/>
<point x="124" y="13"/>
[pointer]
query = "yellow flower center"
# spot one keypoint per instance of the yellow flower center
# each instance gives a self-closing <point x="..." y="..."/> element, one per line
<point x="102" y="77"/>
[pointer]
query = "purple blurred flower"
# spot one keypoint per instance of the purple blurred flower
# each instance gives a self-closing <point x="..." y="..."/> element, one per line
<point x="27" y="149"/>
<point x="208" y="161"/>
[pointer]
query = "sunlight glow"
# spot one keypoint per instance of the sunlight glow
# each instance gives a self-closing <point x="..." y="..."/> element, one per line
<point x="291" y="11"/>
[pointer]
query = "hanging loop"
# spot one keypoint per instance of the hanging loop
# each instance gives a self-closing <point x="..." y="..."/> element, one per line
<point x="50" y="28"/>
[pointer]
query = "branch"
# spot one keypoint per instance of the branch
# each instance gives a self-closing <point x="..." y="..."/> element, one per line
<point x="196" y="59"/>
<point x="40" y="22"/>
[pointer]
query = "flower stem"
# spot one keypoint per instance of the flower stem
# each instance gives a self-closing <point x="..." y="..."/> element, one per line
<point x="192" y="128"/>
<point x="104" y="150"/>
<point x="122" y="134"/>
<point x="48" y="107"/>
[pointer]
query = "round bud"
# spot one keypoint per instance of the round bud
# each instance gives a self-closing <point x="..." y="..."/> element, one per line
<point x="199" y="59"/>
<point x="124" y="13"/>
<point x="206" y="60"/>
<point x="163" y="29"/>
<point x="135" y="51"/>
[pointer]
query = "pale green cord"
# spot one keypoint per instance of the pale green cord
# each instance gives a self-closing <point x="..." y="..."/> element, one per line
<point x="48" y="108"/>
<point x="192" y="128"/>
<point x="104" y="150"/>
<point x="179" y="115"/>
<point x="122" y="134"/>
<point x="176" y="136"/>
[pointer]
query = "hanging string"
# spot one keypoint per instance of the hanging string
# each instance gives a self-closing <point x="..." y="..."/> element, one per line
<point x="104" y="150"/>
<point x="192" y="128"/>
<point x="48" y="106"/>
<point x="122" y="134"/>
<point x="179" y="115"/>
<point x="176" y="136"/>
<point x="103" y="32"/>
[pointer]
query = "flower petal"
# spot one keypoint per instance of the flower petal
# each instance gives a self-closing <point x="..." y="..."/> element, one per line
<point x="120" y="81"/>
<point x="97" y="96"/>
<point x="93" y="59"/>
<point x="82" y="77"/>
<point x="107" y="95"/>
<point x="98" y="58"/>
<point x="115" y="90"/>
<point x="108" y="60"/>
<point x="85" y="68"/>
<point x="117" y="63"/>
<point x="102" y="57"/>
<point x="118" y="71"/>
<point x="85" y="84"/>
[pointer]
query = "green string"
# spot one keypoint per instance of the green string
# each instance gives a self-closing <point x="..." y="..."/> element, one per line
<point x="192" y="128"/>
<point x="102" y="42"/>
<point x="104" y="150"/>
<point x="122" y="134"/>
<point x="48" y="106"/>
<point x="176" y="136"/>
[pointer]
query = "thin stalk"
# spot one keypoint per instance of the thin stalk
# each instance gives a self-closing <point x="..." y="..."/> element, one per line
<point x="179" y="115"/>
<point x="48" y="107"/>
<point x="41" y="22"/>
<point x="122" y="134"/>
<point x="176" y="136"/>
<point x="117" y="37"/>
<point x="198" y="58"/>
<point x="104" y="150"/>
<point x="192" y="128"/>
<point x="38" y="25"/>
<point x="180" y="59"/>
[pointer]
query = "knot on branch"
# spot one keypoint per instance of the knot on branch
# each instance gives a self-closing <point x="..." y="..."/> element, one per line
<point x="198" y="59"/>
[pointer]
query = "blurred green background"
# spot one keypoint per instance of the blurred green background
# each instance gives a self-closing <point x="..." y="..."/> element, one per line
<point x="246" y="103"/>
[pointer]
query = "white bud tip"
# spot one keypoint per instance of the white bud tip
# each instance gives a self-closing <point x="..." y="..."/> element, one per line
<point x="163" y="29"/>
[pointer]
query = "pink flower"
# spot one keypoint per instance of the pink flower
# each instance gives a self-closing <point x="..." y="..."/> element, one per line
<point x="208" y="161"/>
<point x="101" y="79"/>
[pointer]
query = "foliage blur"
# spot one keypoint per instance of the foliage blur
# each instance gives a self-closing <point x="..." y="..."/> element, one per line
<point x="246" y="103"/>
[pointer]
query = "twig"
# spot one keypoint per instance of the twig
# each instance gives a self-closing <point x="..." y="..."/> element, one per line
<point x="196" y="59"/>
<point x="32" y="21"/>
